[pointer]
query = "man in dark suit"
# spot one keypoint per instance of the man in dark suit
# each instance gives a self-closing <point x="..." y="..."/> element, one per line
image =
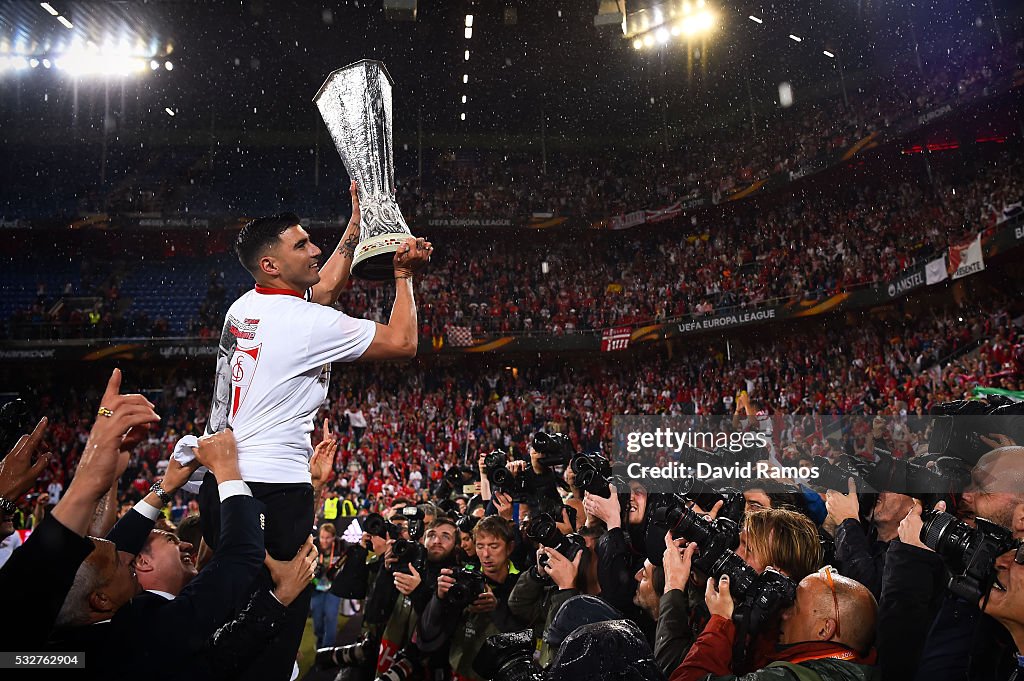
<point x="38" y="575"/>
<point x="196" y="605"/>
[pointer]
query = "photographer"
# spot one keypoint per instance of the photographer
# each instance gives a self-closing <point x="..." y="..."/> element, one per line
<point x="361" y="578"/>
<point x="415" y="588"/>
<point x="1005" y="602"/>
<point x="550" y="582"/>
<point x="783" y="539"/>
<point x="827" y="633"/>
<point x="860" y="553"/>
<point x="470" y="606"/>
<point x="324" y="605"/>
<point x="924" y="629"/>
<point x="620" y="549"/>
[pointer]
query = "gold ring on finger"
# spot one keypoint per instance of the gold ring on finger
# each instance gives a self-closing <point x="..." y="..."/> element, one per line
<point x="103" y="411"/>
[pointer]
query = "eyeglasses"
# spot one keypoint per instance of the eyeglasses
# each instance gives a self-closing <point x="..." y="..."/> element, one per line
<point x="1018" y="557"/>
<point x="827" y="573"/>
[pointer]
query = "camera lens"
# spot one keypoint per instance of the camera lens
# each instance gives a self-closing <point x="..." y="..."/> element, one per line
<point x="947" y="536"/>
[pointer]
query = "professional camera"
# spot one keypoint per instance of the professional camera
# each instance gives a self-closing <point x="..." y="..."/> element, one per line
<point x="714" y="537"/>
<point x="543" y="530"/>
<point x="837" y="475"/>
<point x="958" y="426"/>
<point x="593" y="473"/>
<point x="757" y="596"/>
<point x="451" y="482"/>
<point x="469" y="584"/>
<point x="505" y="481"/>
<point x="414" y="516"/>
<point x="734" y="505"/>
<point x="466" y="523"/>
<point x="352" y="655"/>
<point x="906" y="477"/>
<point x="376" y="525"/>
<point x="404" y="666"/>
<point x="555" y="448"/>
<point x="508" y="657"/>
<point x="408" y="553"/>
<point x="760" y="596"/>
<point x="969" y="552"/>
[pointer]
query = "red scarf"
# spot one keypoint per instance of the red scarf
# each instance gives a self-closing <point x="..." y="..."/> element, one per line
<point x="818" y="650"/>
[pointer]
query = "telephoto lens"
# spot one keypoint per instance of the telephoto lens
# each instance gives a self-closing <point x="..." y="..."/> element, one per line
<point x="351" y="655"/>
<point x="969" y="553"/>
<point x="402" y="669"/>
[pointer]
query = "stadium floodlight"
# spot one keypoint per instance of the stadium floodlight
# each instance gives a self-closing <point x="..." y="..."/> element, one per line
<point x="829" y="54"/>
<point x="465" y="77"/>
<point x="469" y="32"/>
<point x="170" y="111"/>
<point x="463" y="99"/>
<point x="466" y="55"/>
<point x="661" y="35"/>
<point x="67" y="24"/>
<point x="469" y="21"/>
<point x="463" y="116"/>
<point x="795" y="38"/>
<point x="637" y="44"/>
<point x="48" y="8"/>
<point x="83" y="64"/>
<point x="648" y="40"/>
<point x="169" y="66"/>
<point x="154" y="64"/>
<point x="756" y="20"/>
<point x="33" y="62"/>
<point x="46" y="64"/>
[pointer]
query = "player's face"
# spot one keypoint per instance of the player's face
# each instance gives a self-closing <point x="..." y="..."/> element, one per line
<point x="297" y="259"/>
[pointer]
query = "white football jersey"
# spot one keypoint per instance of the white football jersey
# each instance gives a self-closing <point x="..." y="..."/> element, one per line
<point x="273" y="369"/>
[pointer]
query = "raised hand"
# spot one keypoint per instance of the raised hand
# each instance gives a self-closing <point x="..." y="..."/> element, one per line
<point x="321" y="465"/>
<point x="412" y="256"/>
<point x="17" y="471"/>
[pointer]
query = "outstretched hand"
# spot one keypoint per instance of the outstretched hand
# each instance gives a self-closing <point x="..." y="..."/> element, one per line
<point x="18" y="472"/>
<point x="321" y="465"/>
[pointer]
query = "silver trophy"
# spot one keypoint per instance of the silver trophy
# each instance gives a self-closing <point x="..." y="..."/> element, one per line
<point x="355" y="103"/>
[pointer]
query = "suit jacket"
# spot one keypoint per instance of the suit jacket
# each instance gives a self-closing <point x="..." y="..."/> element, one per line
<point x="131" y="532"/>
<point x="150" y="625"/>
<point x="35" y="580"/>
<point x="207" y="602"/>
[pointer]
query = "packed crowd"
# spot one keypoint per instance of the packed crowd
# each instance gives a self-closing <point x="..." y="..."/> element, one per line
<point x="713" y="164"/>
<point x="484" y="531"/>
<point x="523" y="567"/>
<point x="774" y="254"/>
<point x="398" y="430"/>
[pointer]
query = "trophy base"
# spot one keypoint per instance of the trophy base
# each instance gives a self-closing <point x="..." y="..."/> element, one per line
<point x="374" y="257"/>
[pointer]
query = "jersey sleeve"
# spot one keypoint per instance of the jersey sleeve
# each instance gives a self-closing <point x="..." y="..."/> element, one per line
<point x="336" y="337"/>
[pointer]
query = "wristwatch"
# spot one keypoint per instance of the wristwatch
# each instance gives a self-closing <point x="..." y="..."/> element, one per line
<point x="159" y="490"/>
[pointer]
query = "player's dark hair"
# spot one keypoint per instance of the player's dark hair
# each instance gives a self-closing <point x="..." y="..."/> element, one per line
<point x="259" y="235"/>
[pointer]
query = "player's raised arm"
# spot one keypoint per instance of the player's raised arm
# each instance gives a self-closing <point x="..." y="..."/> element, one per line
<point x="398" y="339"/>
<point x="335" y="272"/>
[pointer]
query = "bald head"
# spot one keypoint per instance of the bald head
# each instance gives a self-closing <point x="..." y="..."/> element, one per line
<point x="813" y="616"/>
<point x="997" y="488"/>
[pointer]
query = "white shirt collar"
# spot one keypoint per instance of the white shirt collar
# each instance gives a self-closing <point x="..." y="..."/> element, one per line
<point x="166" y="595"/>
